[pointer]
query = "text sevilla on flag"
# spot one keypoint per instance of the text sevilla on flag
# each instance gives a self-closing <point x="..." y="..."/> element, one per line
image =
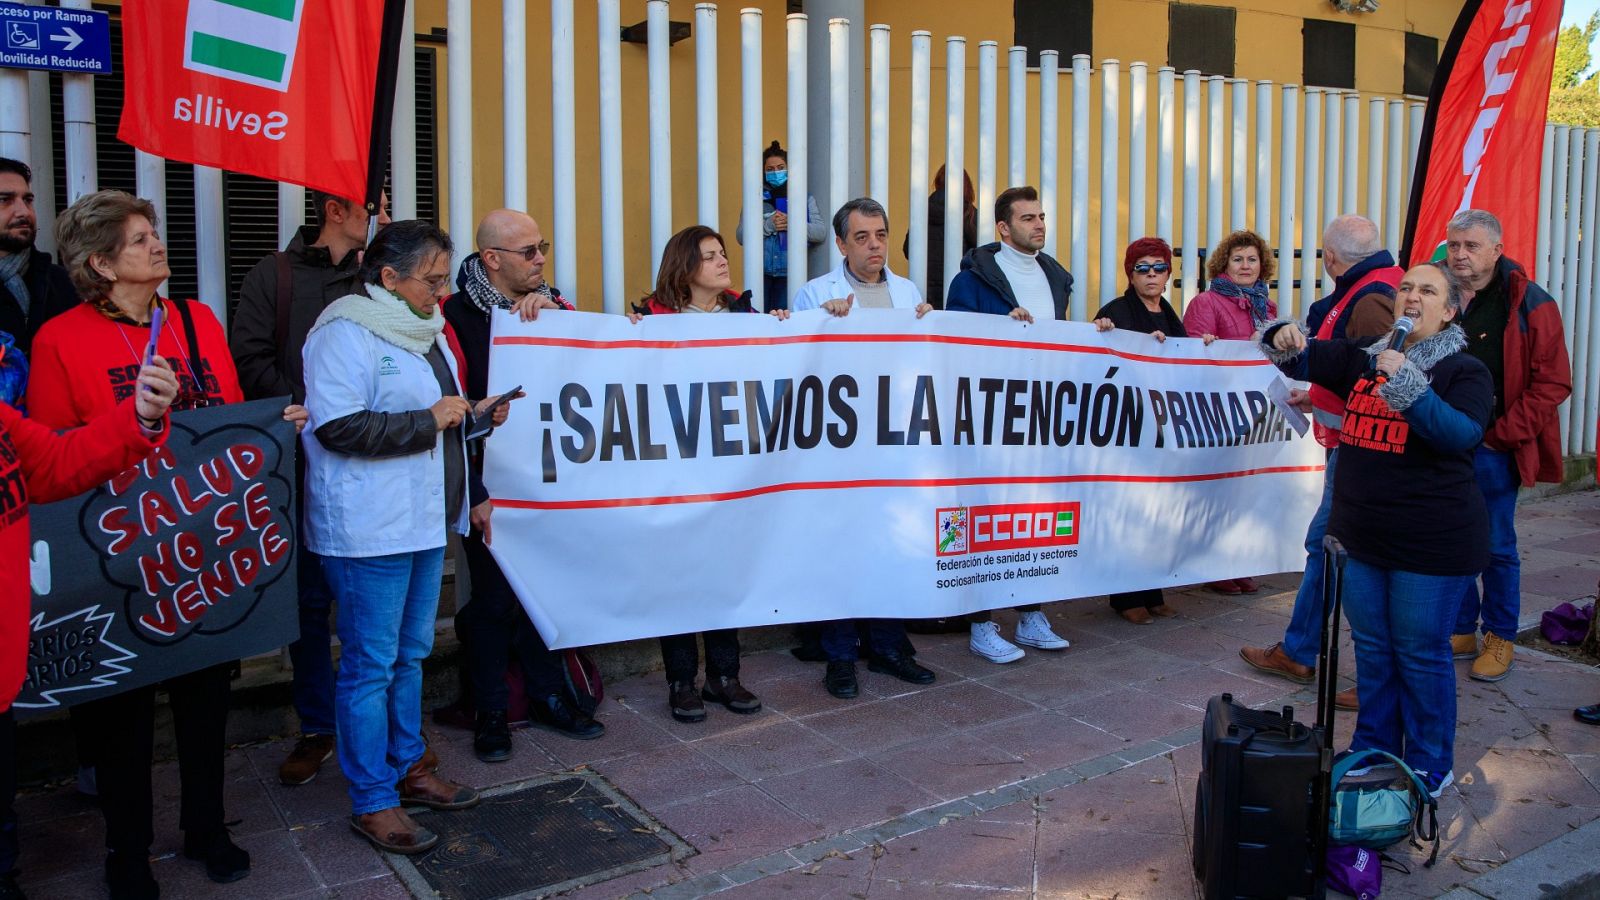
<point x="281" y="89"/>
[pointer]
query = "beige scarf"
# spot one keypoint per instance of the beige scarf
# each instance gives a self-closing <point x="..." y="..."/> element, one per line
<point x="387" y="316"/>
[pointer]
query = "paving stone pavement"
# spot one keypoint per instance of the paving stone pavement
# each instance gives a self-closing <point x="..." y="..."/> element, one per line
<point x="1063" y="775"/>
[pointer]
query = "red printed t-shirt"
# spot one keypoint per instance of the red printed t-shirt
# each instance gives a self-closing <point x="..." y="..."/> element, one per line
<point x="84" y="363"/>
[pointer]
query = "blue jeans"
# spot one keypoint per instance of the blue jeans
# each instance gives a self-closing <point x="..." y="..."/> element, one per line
<point x="312" y="654"/>
<point x="1501" y="605"/>
<point x="1303" y="640"/>
<point x="387" y="606"/>
<point x="1404" y="677"/>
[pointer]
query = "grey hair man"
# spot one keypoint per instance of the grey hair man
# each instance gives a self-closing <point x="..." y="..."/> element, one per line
<point x="1514" y="327"/>
<point x="861" y="230"/>
<point x="1361" y="306"/>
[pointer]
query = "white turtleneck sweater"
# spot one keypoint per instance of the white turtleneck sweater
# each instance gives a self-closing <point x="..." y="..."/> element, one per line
<point x="1028" y="284"/>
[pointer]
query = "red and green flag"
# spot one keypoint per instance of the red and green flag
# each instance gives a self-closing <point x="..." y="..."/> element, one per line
<point x="282" y="89"/>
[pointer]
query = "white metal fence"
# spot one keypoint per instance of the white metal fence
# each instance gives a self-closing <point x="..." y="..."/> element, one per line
<point x="1303" y="147"/>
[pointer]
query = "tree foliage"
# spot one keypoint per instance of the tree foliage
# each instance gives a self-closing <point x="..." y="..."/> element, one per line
<point x="1575" y="100"/>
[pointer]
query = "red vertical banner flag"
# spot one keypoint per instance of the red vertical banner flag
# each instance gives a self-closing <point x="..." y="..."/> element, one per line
<point x="1484" y="132"/>
<point x="282" y="89"/>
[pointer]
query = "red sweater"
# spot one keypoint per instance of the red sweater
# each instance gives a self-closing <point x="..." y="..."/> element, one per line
<point x="84" y="363"/>
<point x="37" y="465"/>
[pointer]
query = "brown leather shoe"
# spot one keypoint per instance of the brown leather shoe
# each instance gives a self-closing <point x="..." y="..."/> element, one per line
<point x="731" y="694"/>
<point x="430" y="759"/>
<point x="1276" y="662"/>
<point x="422" y="787"/>
<point x="392" y="830"/>
<point x="306" y="759"/>
<point x="1162" y="610"/>
<point x="685" y="702"/>
<point x="1226" y="587"/>
<point x="1138" y="615"/>
<point x="1347" y="700"/>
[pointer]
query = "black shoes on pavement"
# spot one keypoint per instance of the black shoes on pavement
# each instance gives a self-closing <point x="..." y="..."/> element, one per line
<point x="128" y="876"/>
<point x="901" y="667"/>
<point x="556" y="713"/>
<point x="841" y="678"/>
<point x="225" y="862"/>
<point x="491" y="736"/>
<point x="491" y="739"/>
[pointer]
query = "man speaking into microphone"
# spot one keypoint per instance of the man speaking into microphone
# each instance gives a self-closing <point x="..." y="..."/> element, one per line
<point x="1406" y="507"/>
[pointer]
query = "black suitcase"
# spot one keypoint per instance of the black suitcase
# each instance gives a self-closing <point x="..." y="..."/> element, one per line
<point x="1261" y="803"/>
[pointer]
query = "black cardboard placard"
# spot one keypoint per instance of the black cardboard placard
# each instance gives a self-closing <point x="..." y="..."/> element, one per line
<point x="182" y="562"/>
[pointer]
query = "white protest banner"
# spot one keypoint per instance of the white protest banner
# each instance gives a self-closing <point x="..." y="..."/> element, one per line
<point x="694" y="472"/>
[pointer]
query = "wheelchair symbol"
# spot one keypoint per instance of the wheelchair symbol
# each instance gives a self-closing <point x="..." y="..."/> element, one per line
<point x="22" y="36"/>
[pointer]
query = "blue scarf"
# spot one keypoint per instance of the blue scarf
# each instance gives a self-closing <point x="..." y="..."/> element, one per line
<point x="1255" y="295"/>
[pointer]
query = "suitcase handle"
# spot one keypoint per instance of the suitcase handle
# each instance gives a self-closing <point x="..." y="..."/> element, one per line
<point x="1334" y="558"/>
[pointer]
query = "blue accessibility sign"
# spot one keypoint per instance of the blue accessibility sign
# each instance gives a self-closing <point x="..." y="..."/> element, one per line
<point x="55" y="39"/>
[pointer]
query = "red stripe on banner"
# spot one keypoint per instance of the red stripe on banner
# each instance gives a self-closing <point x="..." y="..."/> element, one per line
<point x="704" y="343"/>
<point x="891" y="482"/>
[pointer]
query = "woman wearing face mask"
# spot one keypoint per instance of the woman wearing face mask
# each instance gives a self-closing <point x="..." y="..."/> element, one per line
<point x="775" y="226"/>
<point x="1234" y="308"/>
<point x="1407" y="508"/>
<point x="1148" y="262"/>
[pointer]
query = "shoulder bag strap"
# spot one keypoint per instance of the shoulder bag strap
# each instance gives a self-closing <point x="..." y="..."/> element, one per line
<point x="193" y="345"/>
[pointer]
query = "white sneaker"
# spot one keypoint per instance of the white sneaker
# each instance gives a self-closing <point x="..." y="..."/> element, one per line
<point x="987" y="643"/>
<point x="1033" y="630"/>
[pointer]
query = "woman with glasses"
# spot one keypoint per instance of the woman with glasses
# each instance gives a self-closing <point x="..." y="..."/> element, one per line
<point x="85" y="362"/>
<point x="386" y="474"/>
<point x="1143" y="307"/>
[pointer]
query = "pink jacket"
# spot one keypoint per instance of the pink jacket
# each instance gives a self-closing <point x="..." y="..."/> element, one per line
<point x="1226" y="317"/>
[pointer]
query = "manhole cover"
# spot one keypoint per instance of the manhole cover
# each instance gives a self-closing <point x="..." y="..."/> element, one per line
<point x="536" y="838"/>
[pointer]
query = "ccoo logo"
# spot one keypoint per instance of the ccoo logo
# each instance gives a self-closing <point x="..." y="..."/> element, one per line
<point x="1009" y="526"/>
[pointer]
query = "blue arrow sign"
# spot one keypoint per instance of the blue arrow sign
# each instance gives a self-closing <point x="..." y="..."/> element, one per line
<point x="55" y="39"/>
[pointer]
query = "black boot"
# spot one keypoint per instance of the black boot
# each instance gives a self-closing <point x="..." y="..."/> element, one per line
<point x="491" y="736"/>
<point x="555" y="713"/>
<point x="225" y="862"/>
<point x="841" y="678"/>
<point x="901" y="667"/>
<point x="128" y="876"/>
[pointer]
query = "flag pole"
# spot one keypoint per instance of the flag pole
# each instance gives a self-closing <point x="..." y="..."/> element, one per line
<point x="394" y="20"/>
<point x="1441" y="78"/>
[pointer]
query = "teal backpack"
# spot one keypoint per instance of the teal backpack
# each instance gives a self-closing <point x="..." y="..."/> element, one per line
<point x="1381" y="805"/>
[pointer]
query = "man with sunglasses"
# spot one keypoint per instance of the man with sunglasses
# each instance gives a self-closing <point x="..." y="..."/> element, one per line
<point x="1360" y="306"/>
<point x="279" y="300"/>
<point x="506" y="273"/>
<point x="1013" y="277"/>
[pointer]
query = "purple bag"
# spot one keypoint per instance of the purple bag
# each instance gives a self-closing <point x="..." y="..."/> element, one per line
<point x="1566" y="624"/>
<point x="1356" y="871"/>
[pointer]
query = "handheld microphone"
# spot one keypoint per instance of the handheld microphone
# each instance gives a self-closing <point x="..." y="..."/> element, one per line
<point x="1402" y="330"/>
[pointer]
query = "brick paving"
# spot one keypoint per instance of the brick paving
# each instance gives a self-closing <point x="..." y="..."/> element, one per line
<point x="1062" y="775"/>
